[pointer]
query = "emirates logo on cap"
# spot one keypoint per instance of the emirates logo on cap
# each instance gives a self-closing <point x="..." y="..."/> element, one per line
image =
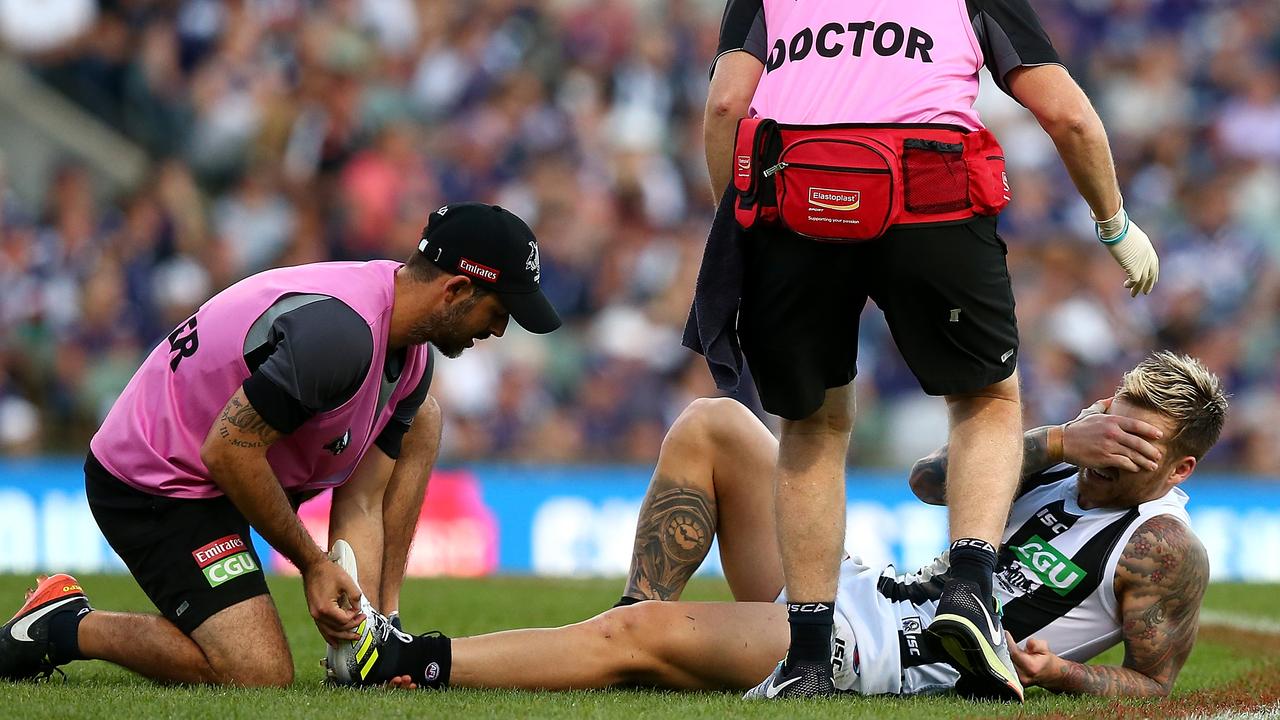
<point x="475" y="269"/>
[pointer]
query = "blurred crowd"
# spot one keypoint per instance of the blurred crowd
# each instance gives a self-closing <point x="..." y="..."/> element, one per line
<point x="291" y="131"/>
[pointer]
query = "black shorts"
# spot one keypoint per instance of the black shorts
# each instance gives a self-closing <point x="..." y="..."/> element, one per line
<point x="944" y="291"/>
<point x="193" y="558"/>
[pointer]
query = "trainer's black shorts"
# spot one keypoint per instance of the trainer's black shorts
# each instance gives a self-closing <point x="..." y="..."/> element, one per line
<point x="944" y="290"/>
<point x="193" y="558"/>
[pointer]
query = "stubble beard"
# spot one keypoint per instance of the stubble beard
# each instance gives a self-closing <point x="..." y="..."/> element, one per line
<point x="442" y="329"/>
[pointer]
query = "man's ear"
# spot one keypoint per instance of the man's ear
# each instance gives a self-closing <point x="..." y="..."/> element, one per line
<point x="1182" y="470"/>
<point x="456" y="288"/>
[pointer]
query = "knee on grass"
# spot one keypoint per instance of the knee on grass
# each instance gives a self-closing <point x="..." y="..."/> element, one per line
<point x="262" y="670"/>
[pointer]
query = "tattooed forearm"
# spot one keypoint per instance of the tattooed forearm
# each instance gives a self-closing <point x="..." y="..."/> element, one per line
<point x="673" y="536"/>
<point x="1160" y="582"/>
<point x="1074" y="677"/>
<point x="1036" y="454"/>
<point x="929" y="475"/>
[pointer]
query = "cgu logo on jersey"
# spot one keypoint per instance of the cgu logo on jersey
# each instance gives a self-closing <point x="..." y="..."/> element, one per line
<point x="842" y="200"/>
<point x="1049" y="565"/>
<point x="340" y="443"/>
<point x="224" y="559"/>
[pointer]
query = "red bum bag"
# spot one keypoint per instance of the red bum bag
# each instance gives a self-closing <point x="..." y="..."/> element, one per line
<point x="845" y="183"/>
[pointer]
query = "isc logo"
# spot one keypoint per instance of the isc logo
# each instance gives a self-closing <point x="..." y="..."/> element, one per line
<point x="911" y="635"/>
<point x="1051" y="521"/>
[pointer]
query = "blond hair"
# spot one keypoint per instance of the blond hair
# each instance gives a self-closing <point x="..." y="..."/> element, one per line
<point x="1183" y="389"/>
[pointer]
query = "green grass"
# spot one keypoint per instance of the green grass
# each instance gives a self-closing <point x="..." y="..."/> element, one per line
<point x="96" y="689"/>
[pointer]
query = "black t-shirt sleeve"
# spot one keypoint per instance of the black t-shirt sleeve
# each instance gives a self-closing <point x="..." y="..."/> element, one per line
<point x="391" y="437"/>
<point x="742" y="28"/>
<point x="1011" y="36"/>
<point x="319" y="354"/>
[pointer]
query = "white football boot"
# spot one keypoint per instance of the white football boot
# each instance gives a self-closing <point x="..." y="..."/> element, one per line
<point x="343" y="663"/>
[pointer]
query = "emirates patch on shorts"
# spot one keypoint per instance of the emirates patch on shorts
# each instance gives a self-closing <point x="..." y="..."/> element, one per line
<point x="224" y="559"/>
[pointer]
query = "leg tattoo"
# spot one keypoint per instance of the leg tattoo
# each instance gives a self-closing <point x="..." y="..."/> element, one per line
<point x="672" y="537"/>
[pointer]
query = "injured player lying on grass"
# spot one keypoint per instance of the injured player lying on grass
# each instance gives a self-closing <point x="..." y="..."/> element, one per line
<point x="1097" y="550"/>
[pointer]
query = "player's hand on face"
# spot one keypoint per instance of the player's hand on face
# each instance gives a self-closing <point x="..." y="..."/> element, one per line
<point x="1098" y="440"/>
<point x="1034" y="663"/>
<point x="332" y="598"/>
<point x="1098" y="407"/>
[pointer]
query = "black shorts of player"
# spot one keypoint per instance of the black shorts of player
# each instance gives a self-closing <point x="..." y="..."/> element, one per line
<point x="193" y="558"/>
<point x="944" y="291"/>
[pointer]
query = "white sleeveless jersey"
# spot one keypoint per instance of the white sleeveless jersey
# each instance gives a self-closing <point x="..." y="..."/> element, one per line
<point x="1055" y="577"/>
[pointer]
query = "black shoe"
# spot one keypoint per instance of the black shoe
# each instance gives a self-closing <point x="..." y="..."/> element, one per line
<point x="802" y="680"/>
<point x="24" y="641"/>
<point x="967" y="634"/>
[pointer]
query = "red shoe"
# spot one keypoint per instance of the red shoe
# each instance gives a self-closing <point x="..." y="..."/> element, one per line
<point x="25" y="648"/>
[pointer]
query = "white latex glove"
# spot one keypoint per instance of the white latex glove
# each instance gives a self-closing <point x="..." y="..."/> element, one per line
<point x="1131" y="247"/>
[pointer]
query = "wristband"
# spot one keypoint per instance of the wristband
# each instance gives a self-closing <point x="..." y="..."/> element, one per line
<point x="1113" y="229"/>
<point x="1113" y="240"/>
<point x="1057" y="433"/>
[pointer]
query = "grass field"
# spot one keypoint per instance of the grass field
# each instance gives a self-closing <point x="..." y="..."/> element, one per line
<point x="1235" y="665"/>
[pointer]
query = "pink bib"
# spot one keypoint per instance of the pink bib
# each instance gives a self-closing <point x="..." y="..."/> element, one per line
<point x="151" y="439"/>
<point x="869" y="61"/>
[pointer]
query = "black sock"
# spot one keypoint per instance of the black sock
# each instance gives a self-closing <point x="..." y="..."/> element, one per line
<point x="64" y="636"/>
<point x="974" y="560"/>
<point x="625" y="601"/>
<point x="811" y="625"/>
<point x="427" y="659"/>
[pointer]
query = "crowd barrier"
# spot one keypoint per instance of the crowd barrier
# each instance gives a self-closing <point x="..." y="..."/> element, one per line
<point x="579" y="521"/>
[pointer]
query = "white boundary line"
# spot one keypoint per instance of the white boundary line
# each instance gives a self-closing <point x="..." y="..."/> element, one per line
<point x="1240" y="621"/>
<point x="1251" y="623"/>
<point x="1269" y="712"/>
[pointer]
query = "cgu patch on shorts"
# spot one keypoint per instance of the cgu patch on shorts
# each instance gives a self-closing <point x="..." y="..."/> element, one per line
<point x="193" y="558"/>
<point x="224" y="559"/>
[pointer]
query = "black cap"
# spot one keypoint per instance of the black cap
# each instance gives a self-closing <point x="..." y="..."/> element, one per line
<point x="498" y="251"/>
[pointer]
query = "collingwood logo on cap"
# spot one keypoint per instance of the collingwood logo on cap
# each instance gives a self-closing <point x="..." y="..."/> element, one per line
<point x="534" y="263"/>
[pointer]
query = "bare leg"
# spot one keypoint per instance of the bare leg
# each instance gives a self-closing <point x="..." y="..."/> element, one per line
<point x="357" y="517"/>
<point x="809" y="496"/>
<point x="241" y="645"/>
<point x="688" y="646"/>
<point x="146" y="644"/>
<point x="985" y="460"/>
<point x="711" y="477"/>
<point x="402" y="503"/>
